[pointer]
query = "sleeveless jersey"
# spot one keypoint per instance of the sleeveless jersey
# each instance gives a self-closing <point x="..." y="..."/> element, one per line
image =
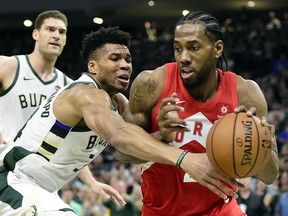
<point x="25" y="94"/>
<point x="166" y="189"/>
<point x="49" y="152"/>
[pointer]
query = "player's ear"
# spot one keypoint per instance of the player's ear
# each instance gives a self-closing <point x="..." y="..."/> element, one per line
<point x="35" y="34"/>
<point x="92" y="66"/>
<point x="219" y="47"/>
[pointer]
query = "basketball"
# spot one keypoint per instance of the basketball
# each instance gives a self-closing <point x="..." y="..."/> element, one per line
<point x="238" y="146"/>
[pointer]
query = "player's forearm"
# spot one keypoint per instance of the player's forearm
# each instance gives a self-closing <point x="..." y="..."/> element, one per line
<point x="86" y="176"/>
<point x="128" y="138"/>
<point x="133" y="140"/>
<point x="128" y="158"/>
<point x="158" y="136"/>
<point x="270" y="172"/>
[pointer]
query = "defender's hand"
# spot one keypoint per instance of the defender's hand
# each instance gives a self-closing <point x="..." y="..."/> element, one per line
<point x="199" y="168"/>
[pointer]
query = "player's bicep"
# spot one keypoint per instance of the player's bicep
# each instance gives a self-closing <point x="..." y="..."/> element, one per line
<point x="69" y="107"/>
<point x="102" y="120"/>
<point x="141" y="100"/>
<point x="251" y="95"/>
<point x="137" y="118"/>
<point x="8" y="67"/>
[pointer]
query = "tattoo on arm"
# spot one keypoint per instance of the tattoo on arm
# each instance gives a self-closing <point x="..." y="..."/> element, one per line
<point x="142" y="94"/>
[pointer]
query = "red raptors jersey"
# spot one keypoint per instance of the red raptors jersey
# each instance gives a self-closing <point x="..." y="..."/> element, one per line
<point x="168" y="190"/>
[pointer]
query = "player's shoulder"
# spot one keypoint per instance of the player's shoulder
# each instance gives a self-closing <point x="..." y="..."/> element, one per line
<point x="8" y="61"/>
<point x="251" y="95"/>
<point x="149" y="75"/>
<point x="8" y="67"/>
<point x="246" y="84"/>
<point x="121" y="98"/>
<point x="122" y="102"/>
<point x="80" y="94"/>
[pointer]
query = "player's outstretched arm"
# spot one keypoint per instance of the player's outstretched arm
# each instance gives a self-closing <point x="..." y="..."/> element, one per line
<point x="103" y="190"/>
<point x="133" y="140"/>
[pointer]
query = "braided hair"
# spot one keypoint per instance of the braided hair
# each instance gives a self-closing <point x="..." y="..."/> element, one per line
<point x="212" y="30"/>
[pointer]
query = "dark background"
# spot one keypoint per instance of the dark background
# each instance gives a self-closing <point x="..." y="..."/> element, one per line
<point x="248" y="44"/>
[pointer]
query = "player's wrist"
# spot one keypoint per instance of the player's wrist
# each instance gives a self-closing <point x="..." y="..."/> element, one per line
<point x="180" y="159"/>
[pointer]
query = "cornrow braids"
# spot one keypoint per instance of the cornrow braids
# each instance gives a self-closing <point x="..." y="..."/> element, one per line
<point x="212" y="29"/>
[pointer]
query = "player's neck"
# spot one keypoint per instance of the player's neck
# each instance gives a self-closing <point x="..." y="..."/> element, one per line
<point x="207" y="90"/>
<point x="44" y="68"/>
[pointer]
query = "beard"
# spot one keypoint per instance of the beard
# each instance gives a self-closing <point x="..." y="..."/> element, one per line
<point x="202" y="75"/>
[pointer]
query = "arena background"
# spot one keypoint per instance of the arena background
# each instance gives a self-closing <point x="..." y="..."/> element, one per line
<point x="255" y="47"/>
<point x="131" y="15"/>
<point x="127" y="12"/>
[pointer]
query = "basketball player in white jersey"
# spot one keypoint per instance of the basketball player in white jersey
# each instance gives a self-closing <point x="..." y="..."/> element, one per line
<point x="27" y="80"/>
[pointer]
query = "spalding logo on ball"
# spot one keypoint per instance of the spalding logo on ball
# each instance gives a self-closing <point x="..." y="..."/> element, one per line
<point x="238" y="146"/>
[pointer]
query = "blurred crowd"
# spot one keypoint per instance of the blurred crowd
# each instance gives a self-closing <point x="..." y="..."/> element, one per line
<point x="256" y="47"/>
<point x="126" y="178"/>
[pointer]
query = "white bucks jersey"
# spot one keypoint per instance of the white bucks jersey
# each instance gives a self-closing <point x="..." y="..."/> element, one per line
<point x="50" y="152"/>
<point x="25" y="94"/>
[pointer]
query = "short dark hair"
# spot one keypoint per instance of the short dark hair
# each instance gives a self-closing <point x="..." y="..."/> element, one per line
<point x="97" y="39"/>
<point x="50" y="14"/>
<point x="212" y="29"/>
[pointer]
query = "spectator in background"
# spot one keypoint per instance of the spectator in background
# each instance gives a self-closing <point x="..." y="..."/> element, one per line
<point x="92" y="205"/>
<point x="274" y="191"/>
<point x="276" y="114"/>
<point x="266" y="195"/>
<point x="282" y="136"/>
<point x="284" y="163"/>
<point x="285" y="22"/>
<point x="151" y="31"/>
<point x="249" y="201"/>
<point x="282" y="203"/>
<point x="131" y="208"/>
<point x="67" y="196"/>
<point x="280" y="67"/>
<point x="274" y="22"/>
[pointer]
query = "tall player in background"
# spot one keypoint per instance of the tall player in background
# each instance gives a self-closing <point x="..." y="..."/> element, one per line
<point x="26" y="80"/>
<point x="206" y="93"/>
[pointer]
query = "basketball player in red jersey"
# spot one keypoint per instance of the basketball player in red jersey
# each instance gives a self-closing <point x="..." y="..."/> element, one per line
<point x="201" y="92"/>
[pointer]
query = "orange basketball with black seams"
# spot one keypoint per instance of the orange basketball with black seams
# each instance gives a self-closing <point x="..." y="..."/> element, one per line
<point x="238" y="146"/>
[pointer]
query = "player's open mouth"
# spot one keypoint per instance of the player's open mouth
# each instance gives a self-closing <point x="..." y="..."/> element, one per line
<point x="186" y="73"/>
<point x="55" y="44"/>
<point x="123" y="79"/>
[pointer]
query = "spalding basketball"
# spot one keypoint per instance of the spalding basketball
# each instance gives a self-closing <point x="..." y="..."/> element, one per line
<point x="238" y="146"/>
